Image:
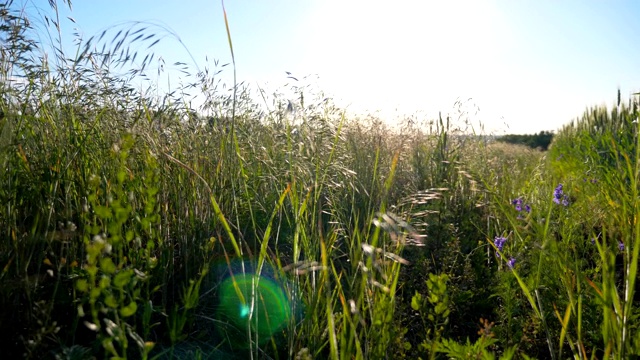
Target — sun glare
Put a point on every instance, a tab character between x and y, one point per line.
362	49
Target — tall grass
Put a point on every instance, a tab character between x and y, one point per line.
137	227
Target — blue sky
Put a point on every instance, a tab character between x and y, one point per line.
532	65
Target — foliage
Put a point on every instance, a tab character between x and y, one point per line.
134	227
541	141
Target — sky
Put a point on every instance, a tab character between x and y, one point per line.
525	66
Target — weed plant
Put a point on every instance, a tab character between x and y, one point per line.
135	227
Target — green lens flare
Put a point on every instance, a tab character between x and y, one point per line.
264	311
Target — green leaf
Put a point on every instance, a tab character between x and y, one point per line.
122	278
129	309
107	265
103	212
111	302
416	301
82	285
94	293
105	281
433	298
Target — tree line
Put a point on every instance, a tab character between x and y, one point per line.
541	141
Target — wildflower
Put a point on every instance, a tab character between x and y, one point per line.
499	243
517	203
557	194
559	197
511	263
621	246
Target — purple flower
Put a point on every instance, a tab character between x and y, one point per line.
557	194
499	243
559	197
517	203
621	246
511	263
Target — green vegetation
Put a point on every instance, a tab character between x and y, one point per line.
135	228
540	141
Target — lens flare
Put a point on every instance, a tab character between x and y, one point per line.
255	303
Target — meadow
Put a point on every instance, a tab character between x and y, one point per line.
136	227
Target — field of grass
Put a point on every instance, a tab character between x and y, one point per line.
133	227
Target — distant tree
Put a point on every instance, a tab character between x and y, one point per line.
540	141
